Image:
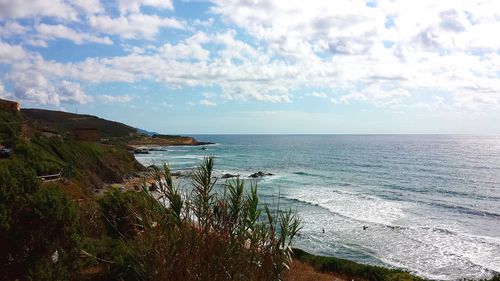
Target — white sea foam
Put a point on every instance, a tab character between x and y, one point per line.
398	236
364	208
186	156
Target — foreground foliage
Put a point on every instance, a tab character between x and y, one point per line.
38	228
173	235
199	236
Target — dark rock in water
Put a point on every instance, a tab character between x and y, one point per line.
181	174
176	174
204	143
260	174
157	149
141	151
203	148
228	176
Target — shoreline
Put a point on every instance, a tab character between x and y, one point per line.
165	140
352	270
169	145
369	268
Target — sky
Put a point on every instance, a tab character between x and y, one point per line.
251	66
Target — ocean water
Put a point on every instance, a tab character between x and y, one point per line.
431	203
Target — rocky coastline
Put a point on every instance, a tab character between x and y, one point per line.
165	140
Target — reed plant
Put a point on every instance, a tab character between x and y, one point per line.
202	234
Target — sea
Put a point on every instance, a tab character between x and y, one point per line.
429	204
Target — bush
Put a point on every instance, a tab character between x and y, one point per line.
38	228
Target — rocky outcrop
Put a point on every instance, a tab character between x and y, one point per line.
228	176
259	174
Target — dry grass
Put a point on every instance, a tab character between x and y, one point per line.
301	271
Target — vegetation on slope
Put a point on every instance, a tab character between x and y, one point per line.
38	228
66	123
88	162
44	235
164	140
355	271
10	126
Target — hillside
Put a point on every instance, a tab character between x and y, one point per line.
64	122
89	163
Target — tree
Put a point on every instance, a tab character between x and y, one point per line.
38	228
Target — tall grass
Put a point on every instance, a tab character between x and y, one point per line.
202	235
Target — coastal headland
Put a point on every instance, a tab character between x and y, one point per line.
164	140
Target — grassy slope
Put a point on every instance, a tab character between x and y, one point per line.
64	122
86	162
10	124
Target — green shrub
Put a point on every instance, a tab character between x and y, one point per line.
38	228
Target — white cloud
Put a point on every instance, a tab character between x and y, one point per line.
23	9
334	101
33	87
318	95
3	93
10	54
206	102
88	6
70	92
353	97
340	26
115	98
204	23
208	95
436	103
134	6
166	104
378	55
12	28
190	48
48	32
208	99
134	25
444	46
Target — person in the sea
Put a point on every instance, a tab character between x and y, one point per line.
365	227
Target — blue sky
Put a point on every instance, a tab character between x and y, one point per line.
192	66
